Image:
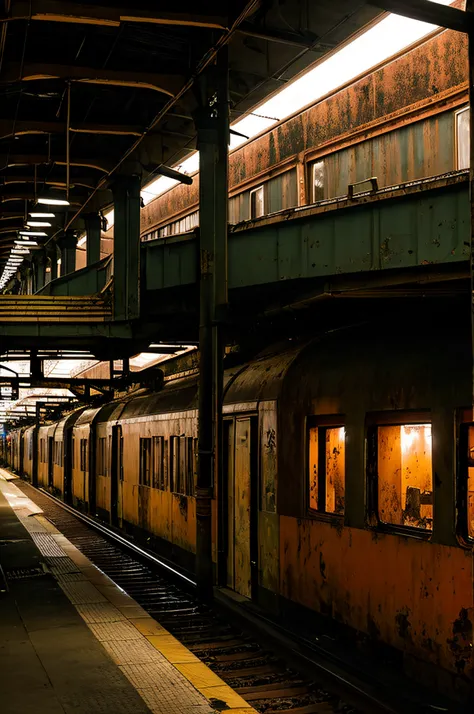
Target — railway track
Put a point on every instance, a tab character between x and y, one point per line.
264	678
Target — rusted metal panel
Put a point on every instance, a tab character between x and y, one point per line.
170	262
269	551
416	79
242	497
268	455
365	582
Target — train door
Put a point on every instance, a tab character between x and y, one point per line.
50	460
242	505
116	476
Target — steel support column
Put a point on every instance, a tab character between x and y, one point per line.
67	245
126	192
93	227
40	269
212	123
470	9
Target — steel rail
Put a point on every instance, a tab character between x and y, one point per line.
124	542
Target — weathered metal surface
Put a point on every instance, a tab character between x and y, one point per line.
422	227
280	193
366	582
433	71
241	515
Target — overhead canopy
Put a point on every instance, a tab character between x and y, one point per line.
87	90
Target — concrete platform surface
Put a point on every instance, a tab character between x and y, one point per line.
71	641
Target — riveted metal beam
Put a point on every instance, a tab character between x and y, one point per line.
89	14
168	84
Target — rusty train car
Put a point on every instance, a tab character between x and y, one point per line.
404	121
348	488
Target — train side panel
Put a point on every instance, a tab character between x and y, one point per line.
397	570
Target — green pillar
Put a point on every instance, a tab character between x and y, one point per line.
40	269
212	123
126	192
93	227
67	245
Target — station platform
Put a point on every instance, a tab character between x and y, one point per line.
72	641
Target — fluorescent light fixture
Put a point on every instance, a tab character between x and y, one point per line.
33	233
42	215
26	242
39	224
53	202
82	241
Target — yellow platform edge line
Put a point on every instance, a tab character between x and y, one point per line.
196	672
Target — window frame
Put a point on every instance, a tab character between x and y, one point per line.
146	443
457	113
312	168
253	192
375	420
464	422
333	421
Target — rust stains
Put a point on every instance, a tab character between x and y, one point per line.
461	643
403	624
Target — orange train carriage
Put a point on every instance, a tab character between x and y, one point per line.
348	488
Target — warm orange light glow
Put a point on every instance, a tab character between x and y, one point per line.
405	476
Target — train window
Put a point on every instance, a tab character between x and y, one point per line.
73	452
30	447
404	475
183	465
317	173
257	202
108	466
160	463
145	462
101	457
83	461
462	139
470	483
327	469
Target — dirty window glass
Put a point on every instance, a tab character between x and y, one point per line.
145	462
318	181
257	207
327	469
405	476
470	485
462	139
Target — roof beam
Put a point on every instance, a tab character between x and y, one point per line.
11	160
427	11
82	181
279	36
10	128
70	12
169	84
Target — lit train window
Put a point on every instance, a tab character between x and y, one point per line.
462	139
470	484
327	469
257	202
318	181
405	475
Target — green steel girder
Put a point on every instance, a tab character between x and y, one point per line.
427	224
